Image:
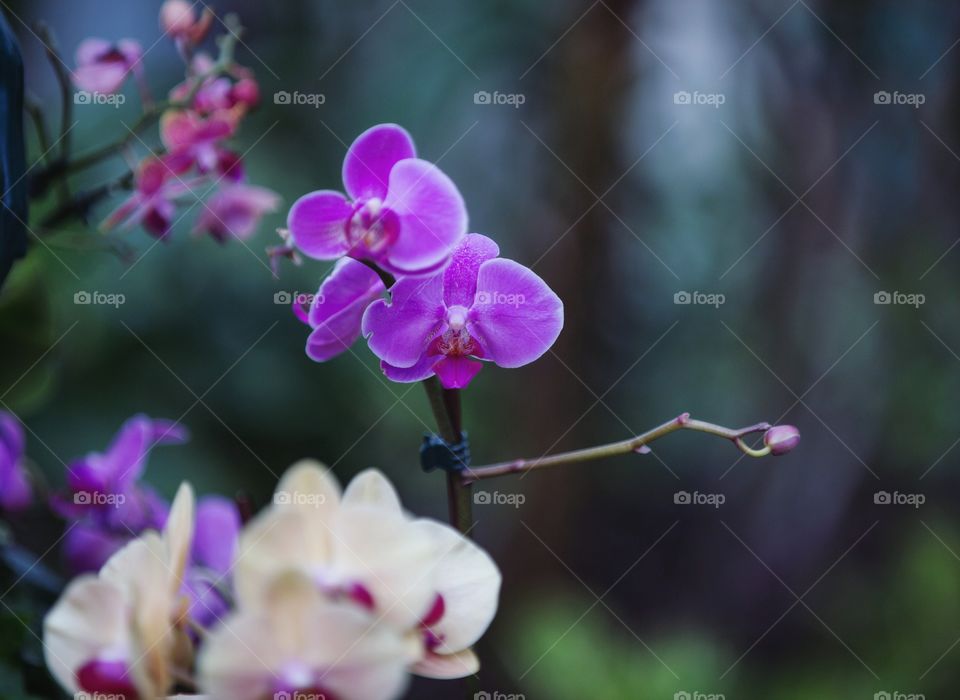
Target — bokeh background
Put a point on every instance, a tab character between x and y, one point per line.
798	199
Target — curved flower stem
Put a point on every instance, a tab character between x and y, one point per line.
445	404
635	444
154	110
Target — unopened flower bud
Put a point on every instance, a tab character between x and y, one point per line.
781	439
246	92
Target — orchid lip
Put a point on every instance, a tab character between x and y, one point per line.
371	228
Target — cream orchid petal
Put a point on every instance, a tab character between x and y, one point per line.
371	488
469	582
276	541
142	571
391	557
445	666
90	619
308	486
298	639
178	533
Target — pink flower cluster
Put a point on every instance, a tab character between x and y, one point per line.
455	303
203	113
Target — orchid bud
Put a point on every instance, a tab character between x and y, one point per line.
178	19
781	439
246	92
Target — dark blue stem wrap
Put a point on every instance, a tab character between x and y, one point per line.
437	453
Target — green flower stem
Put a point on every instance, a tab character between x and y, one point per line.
635	444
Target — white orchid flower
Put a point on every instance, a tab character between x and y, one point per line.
421	577
297	642
118	633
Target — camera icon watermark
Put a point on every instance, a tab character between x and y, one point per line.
98	499
683	298
513	99
685	498
296	498
912	99
496	498
916	300
885	498
285	298
299	99
486	298
85	298
85	97
707	99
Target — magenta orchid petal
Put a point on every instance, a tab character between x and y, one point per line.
102	66
515	316
460	276
371	157
87	546
16	492
235	211
423	369
317	223
216	533
432	214
90	50
457	372
398	332
337	310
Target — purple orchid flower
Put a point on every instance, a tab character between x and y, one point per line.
106	504
15	491
102	67
405	214
481	307
235	210
336	311
215	541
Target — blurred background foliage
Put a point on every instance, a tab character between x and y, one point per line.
691	198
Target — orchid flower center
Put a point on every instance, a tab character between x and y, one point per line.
372	227
456	340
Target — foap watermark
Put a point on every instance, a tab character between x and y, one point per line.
885	498
500	299
299	99
707	99
685	498
696	695
285	298
513	99
84	97
296	498
913	99
497	695
715	300
897	695
96	498
84	298
96	695
299	695
497	498
916	300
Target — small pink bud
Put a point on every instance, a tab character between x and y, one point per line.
176	17
781	439
246	92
